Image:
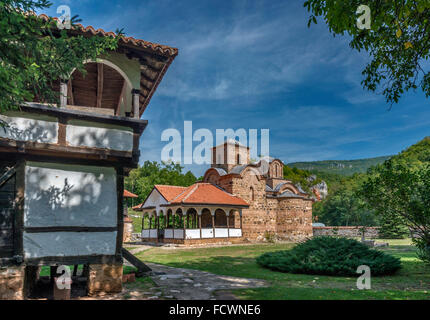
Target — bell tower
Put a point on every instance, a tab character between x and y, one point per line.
229	154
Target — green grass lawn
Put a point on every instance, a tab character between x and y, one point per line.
411	282
137	221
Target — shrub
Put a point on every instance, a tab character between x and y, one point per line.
270	237
330	256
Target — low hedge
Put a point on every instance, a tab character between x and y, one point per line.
330	256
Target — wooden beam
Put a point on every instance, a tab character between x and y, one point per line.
69	229
70	92
99	85
19	213
63	94
72	260
122	94
7	175
141	267
120	209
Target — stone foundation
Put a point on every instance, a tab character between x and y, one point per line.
12	283
128	231
104	279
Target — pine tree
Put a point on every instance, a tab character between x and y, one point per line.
392	227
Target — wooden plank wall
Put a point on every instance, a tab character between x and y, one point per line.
7	198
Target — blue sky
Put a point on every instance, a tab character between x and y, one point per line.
256	64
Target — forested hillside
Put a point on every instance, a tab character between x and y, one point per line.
343	206
342	167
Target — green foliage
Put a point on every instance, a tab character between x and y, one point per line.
344	208
392	227
301	177
401	189
142	180
35	54
398	41
339	167
330	256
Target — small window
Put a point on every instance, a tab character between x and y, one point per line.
238	159
252	194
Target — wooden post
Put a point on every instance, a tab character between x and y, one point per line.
185	226
200	224
136	109
63	94
173	224
213	223
228	225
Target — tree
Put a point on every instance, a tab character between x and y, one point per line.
142	180
392	226
396	188
35	54
397	41
344	208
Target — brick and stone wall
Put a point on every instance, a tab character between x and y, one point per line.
12	283
284	219
348	232
104	279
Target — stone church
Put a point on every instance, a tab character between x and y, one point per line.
237	201
277	207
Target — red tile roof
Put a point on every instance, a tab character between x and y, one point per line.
207	193
166	50
169	192
137	207
128	194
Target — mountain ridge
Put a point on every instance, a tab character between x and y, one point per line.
342	167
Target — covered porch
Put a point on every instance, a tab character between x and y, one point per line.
189	224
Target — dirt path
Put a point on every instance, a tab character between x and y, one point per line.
187	284
182	284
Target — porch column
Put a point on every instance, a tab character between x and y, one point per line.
173	224
228	224
213	221
240	213
199	218
136	111
185	226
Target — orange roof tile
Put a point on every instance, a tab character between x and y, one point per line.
137	207
128	194
169	192
207	193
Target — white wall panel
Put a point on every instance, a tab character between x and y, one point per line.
69	195
103	138
235	232
57	244
192	234
29	129
168	233
221	232
207	233
179	234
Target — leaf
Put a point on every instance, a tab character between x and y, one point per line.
408	45
399	33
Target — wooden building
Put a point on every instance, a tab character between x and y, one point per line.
201	213
63	167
